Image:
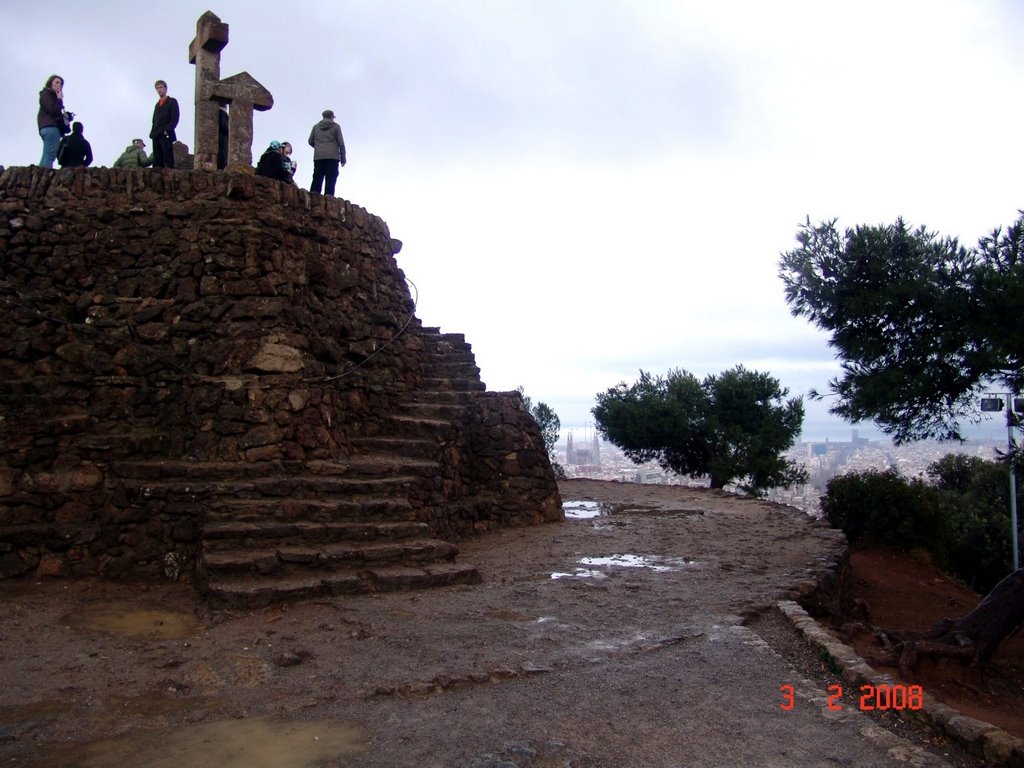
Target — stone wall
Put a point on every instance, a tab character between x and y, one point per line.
217	319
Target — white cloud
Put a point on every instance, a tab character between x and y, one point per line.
589	187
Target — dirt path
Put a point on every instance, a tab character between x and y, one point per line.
613	639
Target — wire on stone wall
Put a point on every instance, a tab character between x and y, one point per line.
385	345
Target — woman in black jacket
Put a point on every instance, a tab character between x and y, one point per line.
50	119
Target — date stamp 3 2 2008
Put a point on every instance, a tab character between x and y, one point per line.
881	698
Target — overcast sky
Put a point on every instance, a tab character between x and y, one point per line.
587	188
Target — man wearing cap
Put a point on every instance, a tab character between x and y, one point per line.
134	156
328	150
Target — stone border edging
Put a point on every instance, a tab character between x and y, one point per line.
982	739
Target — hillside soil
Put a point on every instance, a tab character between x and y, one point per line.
903	592
638	633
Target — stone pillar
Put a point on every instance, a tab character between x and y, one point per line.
244	94
204	52
241	91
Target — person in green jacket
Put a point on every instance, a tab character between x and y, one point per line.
134	156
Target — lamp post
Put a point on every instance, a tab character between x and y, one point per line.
994	402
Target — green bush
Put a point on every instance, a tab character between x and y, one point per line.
962	521
978	495
886	508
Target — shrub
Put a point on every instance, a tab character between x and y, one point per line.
961	521
887	508
978	496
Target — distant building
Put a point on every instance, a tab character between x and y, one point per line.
649	476
583	456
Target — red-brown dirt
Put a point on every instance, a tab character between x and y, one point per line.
903	592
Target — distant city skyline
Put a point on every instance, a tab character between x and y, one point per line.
839	431
823	460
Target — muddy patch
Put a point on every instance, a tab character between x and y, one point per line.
506	615
249	743
133	622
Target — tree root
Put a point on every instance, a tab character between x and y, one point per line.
973	639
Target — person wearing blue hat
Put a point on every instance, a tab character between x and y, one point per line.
271	164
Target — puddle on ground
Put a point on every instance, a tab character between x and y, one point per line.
124	620
584	510
580	573
654	563
250	743
587	510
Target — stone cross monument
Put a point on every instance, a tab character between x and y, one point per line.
242	92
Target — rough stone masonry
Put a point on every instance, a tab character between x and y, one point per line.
194	358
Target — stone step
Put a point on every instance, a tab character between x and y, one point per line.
186	470
419	428
456	384
285	487
456	376
236	533
448	350
421	448
255	592
367	465
451	361
375	465
436	411
440	347
283	559
434	334
447	343
352	509
140	441
446	397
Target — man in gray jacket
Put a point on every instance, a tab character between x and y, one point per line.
328	150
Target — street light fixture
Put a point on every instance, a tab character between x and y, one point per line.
994	402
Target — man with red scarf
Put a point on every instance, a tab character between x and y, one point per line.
165	120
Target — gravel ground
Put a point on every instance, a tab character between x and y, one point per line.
626	636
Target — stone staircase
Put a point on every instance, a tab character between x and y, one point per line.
285	530
278	531
419	428
117	394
